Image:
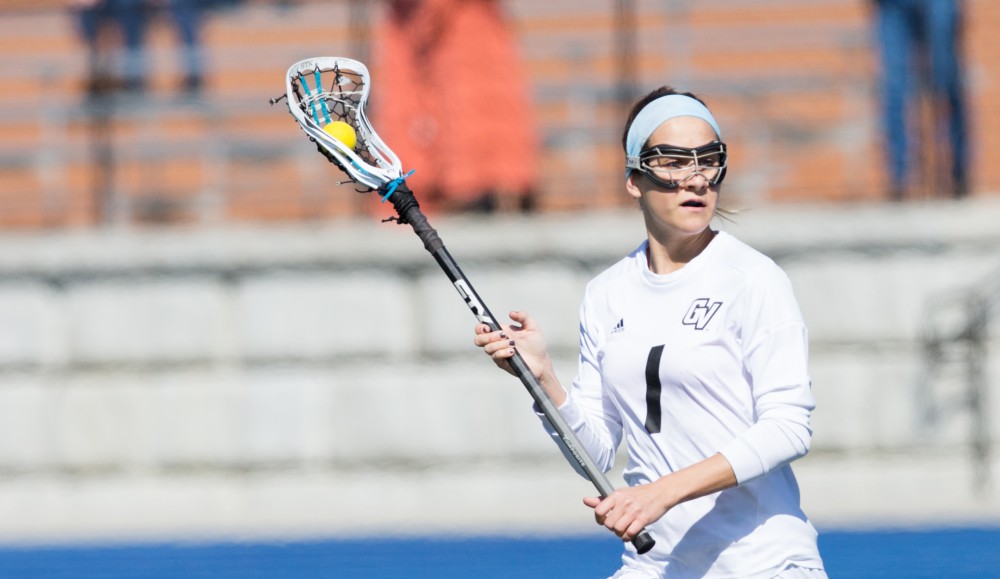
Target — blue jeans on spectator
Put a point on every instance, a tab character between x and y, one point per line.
132	19
913	35
187	18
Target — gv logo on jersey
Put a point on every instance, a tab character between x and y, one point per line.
700	313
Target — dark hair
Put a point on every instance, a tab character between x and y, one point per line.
641	104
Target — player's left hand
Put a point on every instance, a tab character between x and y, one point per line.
629	509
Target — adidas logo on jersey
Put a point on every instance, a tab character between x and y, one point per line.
619	327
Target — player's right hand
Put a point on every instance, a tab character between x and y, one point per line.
523	336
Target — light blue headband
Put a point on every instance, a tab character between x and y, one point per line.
655	114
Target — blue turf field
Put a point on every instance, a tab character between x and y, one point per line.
952	553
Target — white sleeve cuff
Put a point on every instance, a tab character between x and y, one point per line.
569	410
744	461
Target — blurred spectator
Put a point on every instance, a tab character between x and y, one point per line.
112	68
454	104
123	68
920	50
187	17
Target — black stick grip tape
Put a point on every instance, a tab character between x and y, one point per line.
643	542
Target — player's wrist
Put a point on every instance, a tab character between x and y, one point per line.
668	491
550	383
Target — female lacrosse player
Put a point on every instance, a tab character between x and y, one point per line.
694	349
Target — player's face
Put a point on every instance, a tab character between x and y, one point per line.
688	209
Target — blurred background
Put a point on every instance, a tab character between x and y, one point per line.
216	361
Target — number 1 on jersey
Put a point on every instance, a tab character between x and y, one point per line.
653	388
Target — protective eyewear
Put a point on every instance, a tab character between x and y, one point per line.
671	167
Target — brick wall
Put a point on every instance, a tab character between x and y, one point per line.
792	81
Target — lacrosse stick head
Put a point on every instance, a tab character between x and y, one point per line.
325	90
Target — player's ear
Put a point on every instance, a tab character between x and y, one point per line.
630	186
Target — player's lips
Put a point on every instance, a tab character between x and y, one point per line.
693	203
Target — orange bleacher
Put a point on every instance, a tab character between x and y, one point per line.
792	82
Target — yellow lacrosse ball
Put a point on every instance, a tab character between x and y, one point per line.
343	132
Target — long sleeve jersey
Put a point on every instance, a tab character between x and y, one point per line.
711	358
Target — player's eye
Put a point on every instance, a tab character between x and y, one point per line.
710	160
670	162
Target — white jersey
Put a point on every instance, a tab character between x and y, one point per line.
708	359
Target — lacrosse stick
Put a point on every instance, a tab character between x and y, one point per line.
326	91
